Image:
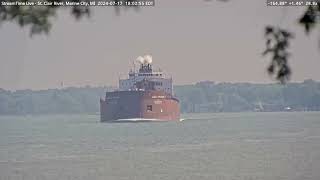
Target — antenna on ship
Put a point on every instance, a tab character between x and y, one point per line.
118	80
134	73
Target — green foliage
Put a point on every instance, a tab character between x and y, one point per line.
310	18
277	46
52	101
277	43
227	97
277	40
38	18
202	97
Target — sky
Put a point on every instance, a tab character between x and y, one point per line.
191	40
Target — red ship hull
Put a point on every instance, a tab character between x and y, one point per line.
139	106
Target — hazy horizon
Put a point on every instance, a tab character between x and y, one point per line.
192	41
59	87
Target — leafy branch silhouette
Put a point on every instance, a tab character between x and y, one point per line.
277	45
39	19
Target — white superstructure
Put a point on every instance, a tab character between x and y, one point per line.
146	73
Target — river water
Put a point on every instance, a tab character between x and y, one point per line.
222	146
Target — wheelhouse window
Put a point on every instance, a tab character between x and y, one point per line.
149	108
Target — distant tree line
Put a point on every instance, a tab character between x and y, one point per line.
204	96
238	97
52	101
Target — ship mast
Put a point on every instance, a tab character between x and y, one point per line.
134	73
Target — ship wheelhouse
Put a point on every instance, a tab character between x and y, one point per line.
145	78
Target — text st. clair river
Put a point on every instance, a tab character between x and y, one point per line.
79	3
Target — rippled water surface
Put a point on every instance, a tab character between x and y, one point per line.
248	146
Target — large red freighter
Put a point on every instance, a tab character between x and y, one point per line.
147	95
